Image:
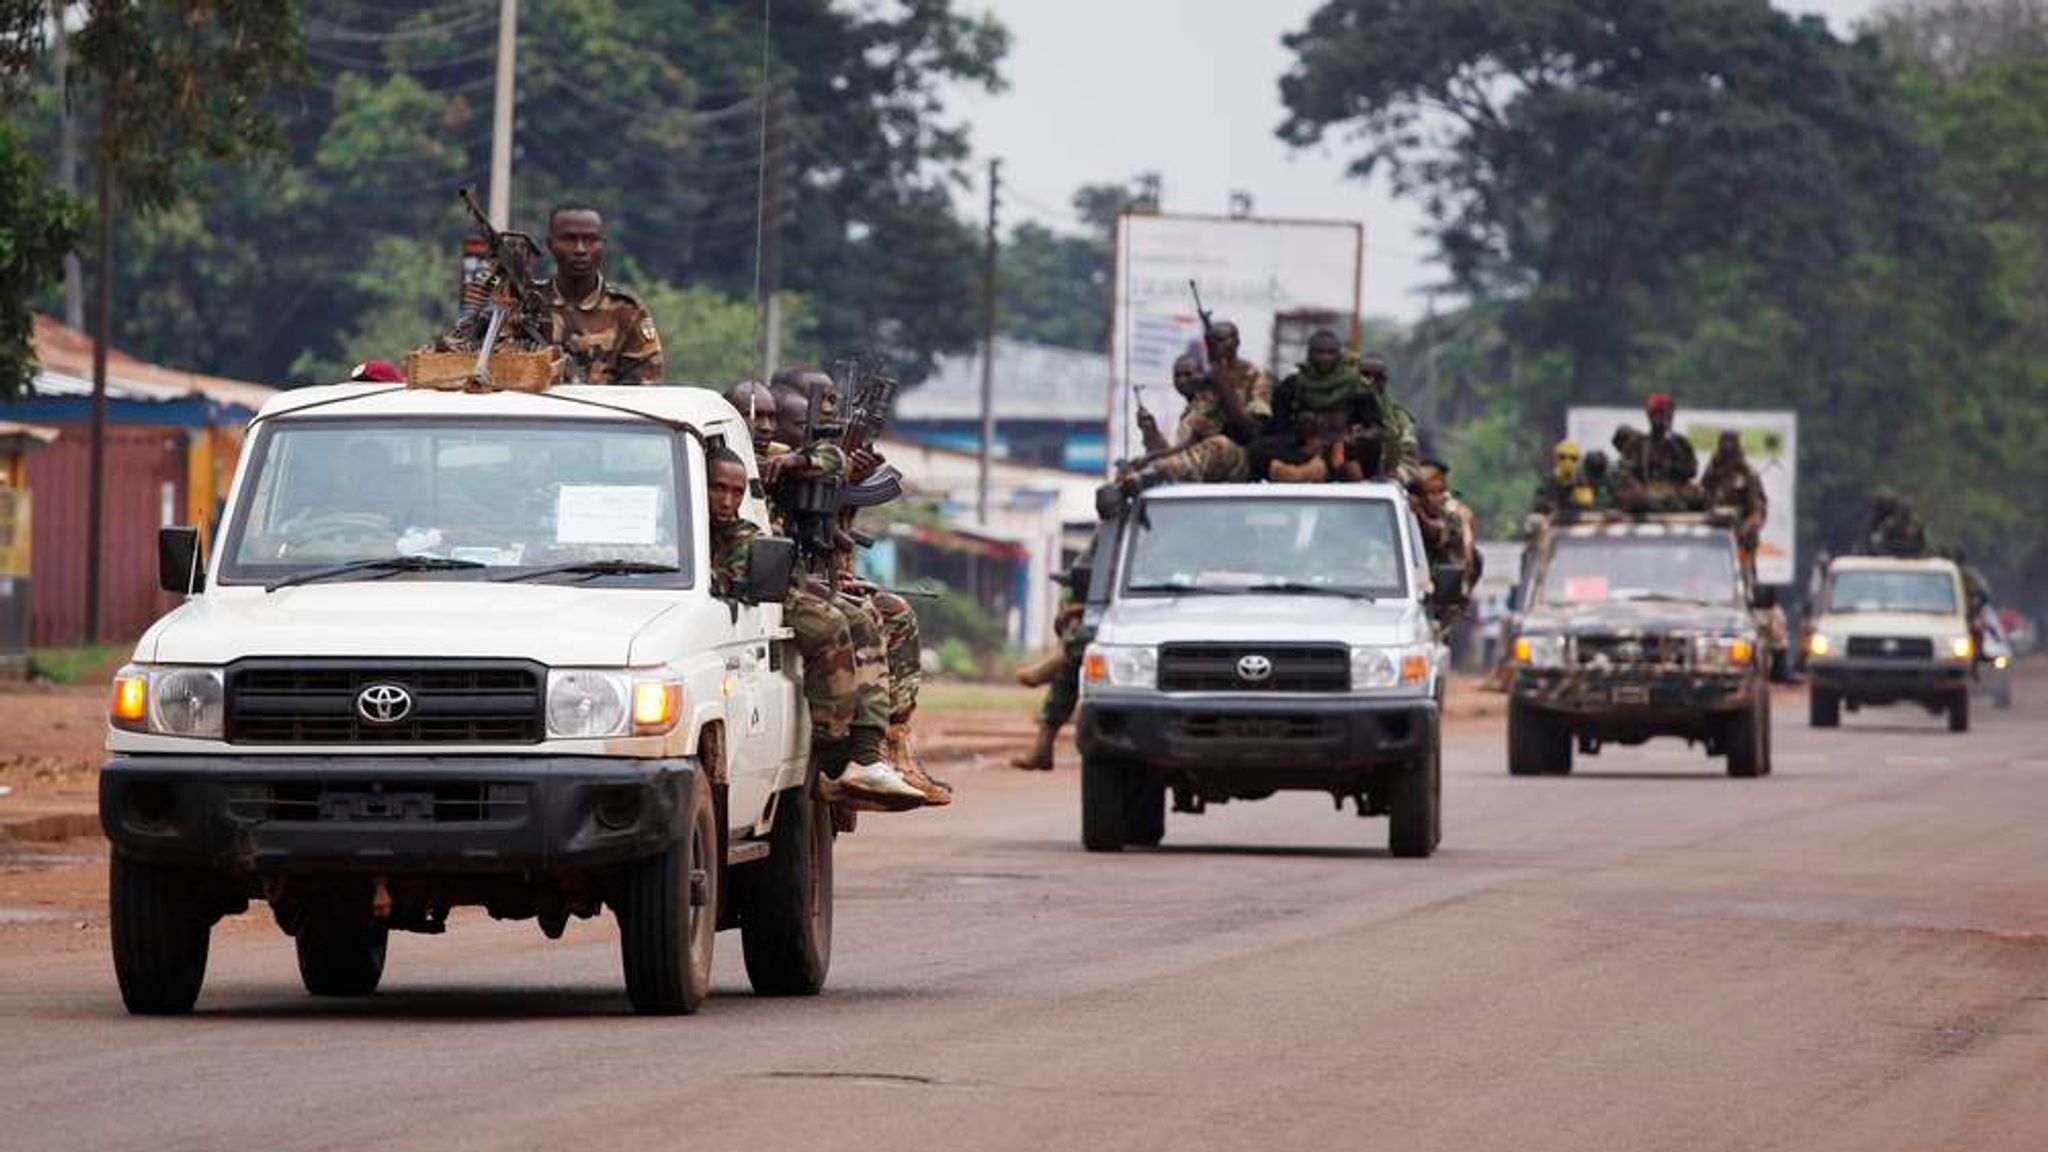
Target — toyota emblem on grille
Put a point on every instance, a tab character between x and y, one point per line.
1891	645
383	703
1254	669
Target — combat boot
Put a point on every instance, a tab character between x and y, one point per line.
1042	671
867	782
1039	759
903	756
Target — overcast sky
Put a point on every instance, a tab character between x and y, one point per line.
1101	90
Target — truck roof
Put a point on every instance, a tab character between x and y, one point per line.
1890	563
1691	528
700	408
1379	490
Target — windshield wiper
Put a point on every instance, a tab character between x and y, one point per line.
384	565
1657	598
1298	587
589	568
1180	587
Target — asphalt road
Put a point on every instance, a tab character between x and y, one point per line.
1852	954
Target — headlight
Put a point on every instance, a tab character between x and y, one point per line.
1121	666
1818	644
1375	668
1539	651
168	701
1723	651
586	704
1961	647
583	703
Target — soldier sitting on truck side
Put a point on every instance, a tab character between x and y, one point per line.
873	612
1446	528
848	711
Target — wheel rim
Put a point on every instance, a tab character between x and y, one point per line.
701	921
820	886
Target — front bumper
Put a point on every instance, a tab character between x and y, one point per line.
1886	680
1279	738
1648	696
395	815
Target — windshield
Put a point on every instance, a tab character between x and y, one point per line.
1338	547
503	495
1601	569
1875	591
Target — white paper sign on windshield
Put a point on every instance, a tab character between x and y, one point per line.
608	514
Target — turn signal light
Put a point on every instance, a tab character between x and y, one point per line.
1095	669
130	706
1523	649
1741	652
1414	669
656	705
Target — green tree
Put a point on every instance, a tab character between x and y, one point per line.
38	226
1054	287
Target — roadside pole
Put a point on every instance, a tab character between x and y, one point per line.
501	114
988	345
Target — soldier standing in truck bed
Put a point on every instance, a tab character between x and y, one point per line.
1731	483
606	333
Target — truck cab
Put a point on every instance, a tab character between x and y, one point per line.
461	650
1632	628
1256	638
1890	630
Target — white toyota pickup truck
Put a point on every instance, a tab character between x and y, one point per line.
460	649
1256	638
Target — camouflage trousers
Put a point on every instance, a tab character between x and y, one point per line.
1216	460
870	661
831	644
1063	695
900	636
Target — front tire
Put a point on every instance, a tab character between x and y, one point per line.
785	901
1144	809
1959	712
1416	807
161	926
667	909
1749	741
1103	790
1538	744
1824	708
341	956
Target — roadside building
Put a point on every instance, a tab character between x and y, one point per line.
1050	406
173	439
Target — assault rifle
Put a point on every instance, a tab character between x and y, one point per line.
873	395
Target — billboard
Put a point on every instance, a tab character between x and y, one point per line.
1265	276
1769	438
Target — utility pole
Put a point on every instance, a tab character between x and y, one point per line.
67	160
501	114
774	166
103	335
988	344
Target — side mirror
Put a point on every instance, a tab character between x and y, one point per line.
1763	596
180	567
770	566
1449	585
1078	578
1515	598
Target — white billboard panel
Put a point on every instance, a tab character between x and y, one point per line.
1769	438
1251	272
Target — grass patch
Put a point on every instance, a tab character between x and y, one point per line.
83	665
942	697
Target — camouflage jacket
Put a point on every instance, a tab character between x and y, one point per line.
1205	414
732	546
1659	459
608	336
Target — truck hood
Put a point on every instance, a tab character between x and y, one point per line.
554	624
1257	618
1637	616
1902	624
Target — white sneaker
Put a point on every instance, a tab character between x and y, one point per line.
876	784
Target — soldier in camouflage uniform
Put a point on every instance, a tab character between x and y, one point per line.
1226	410
1657	468
1333	420
604	330
841	651
1561	489
1731	483
884	624
1894	529
1445	522
1059	672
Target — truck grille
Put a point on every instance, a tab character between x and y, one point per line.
1891	647
1293	668
1633	651
1257	727
392	802
452	702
